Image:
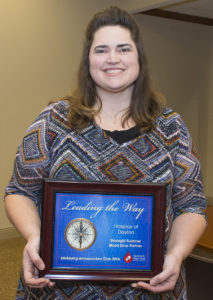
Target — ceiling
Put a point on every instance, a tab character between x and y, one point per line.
195	11
199	8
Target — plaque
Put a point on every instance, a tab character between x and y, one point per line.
102	230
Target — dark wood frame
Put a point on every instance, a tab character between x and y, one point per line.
47	234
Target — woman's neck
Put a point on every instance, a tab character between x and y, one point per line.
114	106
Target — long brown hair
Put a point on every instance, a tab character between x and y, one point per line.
145	105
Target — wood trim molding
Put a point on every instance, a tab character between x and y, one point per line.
210	201
8	233
178	16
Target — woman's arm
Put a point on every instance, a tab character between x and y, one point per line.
23	214
186	231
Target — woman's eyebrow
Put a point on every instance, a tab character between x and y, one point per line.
101	46
124	45
119	46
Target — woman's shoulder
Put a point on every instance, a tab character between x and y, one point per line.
53	117
169	123
56	112
169	114
54	108
60	107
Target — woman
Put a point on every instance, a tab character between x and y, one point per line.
112	128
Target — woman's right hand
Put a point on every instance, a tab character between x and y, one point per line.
24	215
32	263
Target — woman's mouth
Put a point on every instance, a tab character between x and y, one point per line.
113	71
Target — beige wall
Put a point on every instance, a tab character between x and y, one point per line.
40	49
41	43
209	173
180	58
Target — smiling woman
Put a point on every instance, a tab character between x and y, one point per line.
113	128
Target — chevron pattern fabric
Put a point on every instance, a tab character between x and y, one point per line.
165	155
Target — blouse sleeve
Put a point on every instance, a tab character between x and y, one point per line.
32	160
187	194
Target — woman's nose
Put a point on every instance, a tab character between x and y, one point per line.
113	57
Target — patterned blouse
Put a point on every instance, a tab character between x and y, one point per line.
164	155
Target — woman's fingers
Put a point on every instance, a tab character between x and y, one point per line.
32	263
164	281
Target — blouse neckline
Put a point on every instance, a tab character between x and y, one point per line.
123	136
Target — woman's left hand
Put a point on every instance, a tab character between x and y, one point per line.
166	280
186	230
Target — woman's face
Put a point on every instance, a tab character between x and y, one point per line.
113	59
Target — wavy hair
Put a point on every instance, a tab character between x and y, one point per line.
144	107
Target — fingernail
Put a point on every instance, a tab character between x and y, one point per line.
41	267
152	282
134	285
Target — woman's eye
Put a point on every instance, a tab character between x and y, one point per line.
99	51
125	49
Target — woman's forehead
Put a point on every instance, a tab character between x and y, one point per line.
112	34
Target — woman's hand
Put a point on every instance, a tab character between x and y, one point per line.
23	213
186	231
166	280
32	263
